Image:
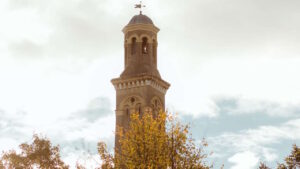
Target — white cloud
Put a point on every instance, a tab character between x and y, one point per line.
241	105
269	155
257	82
260	141
244	160
12	130
85	159
76	134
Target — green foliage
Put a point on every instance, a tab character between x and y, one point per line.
40	154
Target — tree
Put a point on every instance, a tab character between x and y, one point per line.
263	166
40	154
105	156
281	166
79	166
143	144
182	151
158	141
293	160
1	165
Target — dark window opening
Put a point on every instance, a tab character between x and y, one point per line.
132	100
133	46
154	51
145	46
126	54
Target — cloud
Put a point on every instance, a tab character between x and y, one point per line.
244	160
26	49
266	143
85	159
79	137
62	29
11	125
77	134
256	82
233	28
265	128
97	108
220	107
265	135
240	105
13	131
91	29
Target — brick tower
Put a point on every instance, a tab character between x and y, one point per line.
140	87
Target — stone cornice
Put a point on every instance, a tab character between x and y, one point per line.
139	81
147	27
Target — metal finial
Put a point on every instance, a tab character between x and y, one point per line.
141	6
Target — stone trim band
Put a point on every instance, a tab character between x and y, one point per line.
158	84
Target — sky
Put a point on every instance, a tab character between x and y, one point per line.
233	67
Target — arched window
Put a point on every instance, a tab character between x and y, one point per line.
156	105
126	54
132	100
133	46
139	108
154	52
132	104
127	112
145	45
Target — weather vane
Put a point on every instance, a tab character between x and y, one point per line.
141	6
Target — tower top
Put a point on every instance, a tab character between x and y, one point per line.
140	19
140	6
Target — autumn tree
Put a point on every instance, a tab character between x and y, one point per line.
159	141
263	166
143	144
79	166
1	165
293	160
107	158
182	150
281	166
40	154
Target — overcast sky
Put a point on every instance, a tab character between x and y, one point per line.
233	66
